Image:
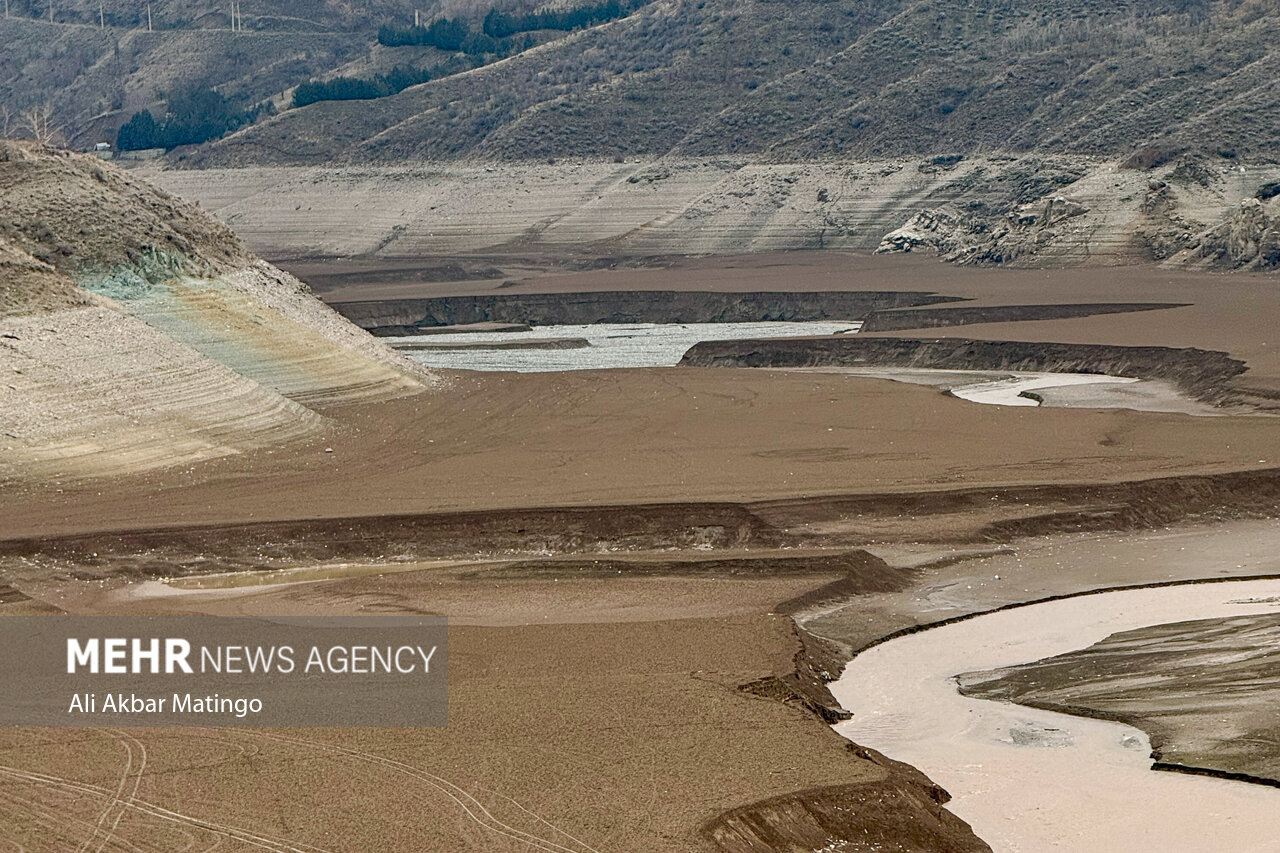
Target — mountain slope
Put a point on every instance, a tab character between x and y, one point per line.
792	81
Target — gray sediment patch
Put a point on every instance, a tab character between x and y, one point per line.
521	344
474	328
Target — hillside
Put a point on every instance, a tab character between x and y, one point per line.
1059	132
785	81
93	79
136	330
94	73
1064	210
802	80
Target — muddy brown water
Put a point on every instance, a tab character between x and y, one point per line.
1029	781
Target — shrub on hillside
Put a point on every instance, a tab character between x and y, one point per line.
394	81
194	116
501	24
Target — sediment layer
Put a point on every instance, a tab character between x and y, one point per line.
904	812
406	317
1202	374
930	318
1060	210
561	530
1196	687
998	514
519	344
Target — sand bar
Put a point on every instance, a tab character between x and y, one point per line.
1009	391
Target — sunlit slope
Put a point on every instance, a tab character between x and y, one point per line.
136	331
95	391
222	318
1194	211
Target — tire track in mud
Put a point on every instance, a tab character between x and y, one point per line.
132	746
127	740
471	807
543	820
62	825
253	839
111	802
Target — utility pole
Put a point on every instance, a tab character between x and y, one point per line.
51	11
102	19
149	17
415	17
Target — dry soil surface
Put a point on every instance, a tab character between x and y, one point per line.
616	720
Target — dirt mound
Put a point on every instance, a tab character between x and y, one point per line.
135	330
31	286
81	216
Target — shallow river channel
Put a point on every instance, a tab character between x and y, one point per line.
1034	781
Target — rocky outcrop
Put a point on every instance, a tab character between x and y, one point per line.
975	239
940	230
1165	230
1247	238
